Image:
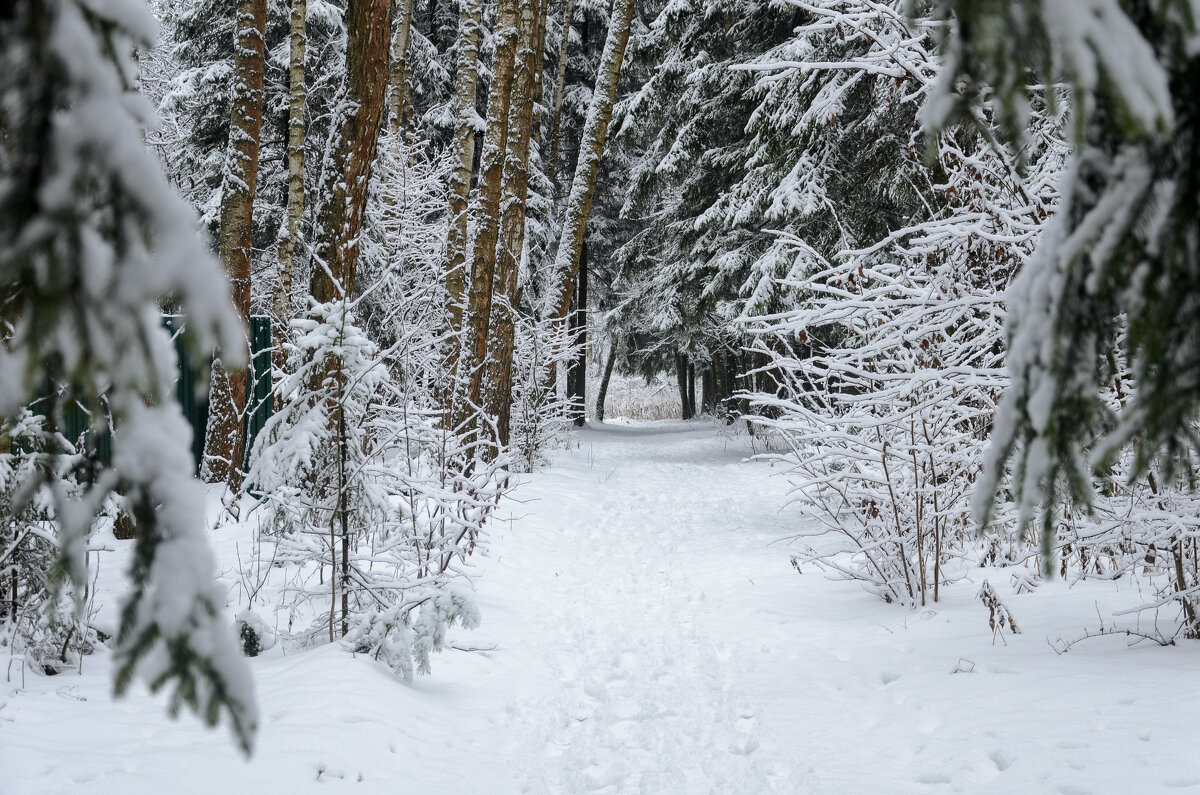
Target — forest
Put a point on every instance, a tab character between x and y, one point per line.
309	307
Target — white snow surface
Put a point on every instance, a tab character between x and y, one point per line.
644	632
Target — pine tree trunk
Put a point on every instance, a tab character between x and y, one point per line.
558	95
708	402
477	322
578	319
681	381
347	175
691	390
399	77
466	80
498	370
587	168
223	444
281	302
602	392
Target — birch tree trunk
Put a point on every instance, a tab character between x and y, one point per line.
587	168
399	73
483	266
281	301
347	175
466	80
558	95
498	368
223	443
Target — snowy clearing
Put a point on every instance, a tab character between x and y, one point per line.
643	632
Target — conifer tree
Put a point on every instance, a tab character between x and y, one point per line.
476	322
223	446
91	240
1120	265
513	210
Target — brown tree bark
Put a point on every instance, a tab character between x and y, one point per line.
281	301
223	443
498	369
466	80
348	174
361	106
587	168
483	266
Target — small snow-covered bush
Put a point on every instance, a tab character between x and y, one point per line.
362	483
888	369
39	621
539	411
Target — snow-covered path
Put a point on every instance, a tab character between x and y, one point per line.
635	558
644	632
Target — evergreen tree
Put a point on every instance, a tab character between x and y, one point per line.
91	240
1119	267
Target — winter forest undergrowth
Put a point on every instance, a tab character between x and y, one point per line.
634	396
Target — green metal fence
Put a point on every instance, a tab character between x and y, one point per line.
258	387
78	425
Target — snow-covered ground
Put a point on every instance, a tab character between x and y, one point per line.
643	633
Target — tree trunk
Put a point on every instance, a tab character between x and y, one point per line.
398	72
691	390
466	80
223	445
578	408
483	265
347	175
587	168
498	370
708	402
602	391
681	380
560	85
281	301
539	67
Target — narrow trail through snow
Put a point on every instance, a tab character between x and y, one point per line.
626	556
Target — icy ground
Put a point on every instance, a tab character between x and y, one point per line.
642	634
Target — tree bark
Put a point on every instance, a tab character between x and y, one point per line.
498	370
281	301
223	445
477	322
602	392
587	168
466	80
539	67
707	391
577	410
399	77
345	182
691	390
681	380
560	86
